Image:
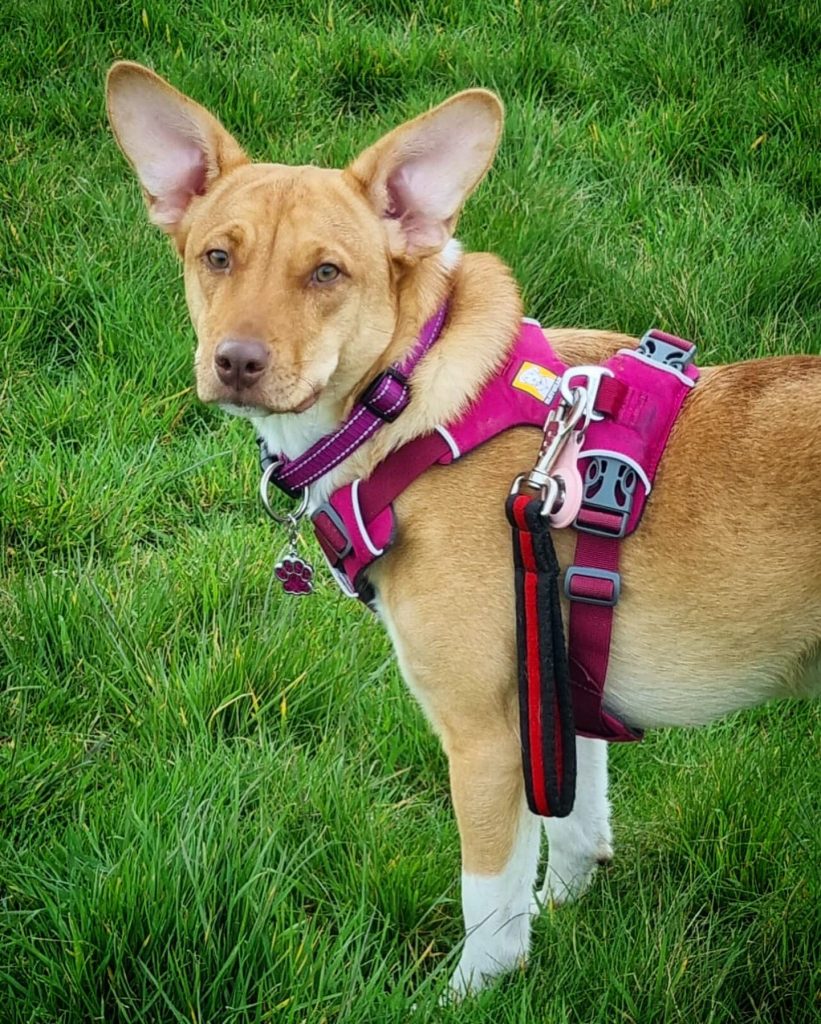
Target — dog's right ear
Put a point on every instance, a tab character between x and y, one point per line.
176	147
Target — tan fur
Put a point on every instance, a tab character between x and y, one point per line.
721	603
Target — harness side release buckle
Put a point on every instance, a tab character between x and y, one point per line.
667	349
331	533
607	498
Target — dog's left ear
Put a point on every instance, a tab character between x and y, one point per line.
418	177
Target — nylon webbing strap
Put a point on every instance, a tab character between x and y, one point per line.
545	698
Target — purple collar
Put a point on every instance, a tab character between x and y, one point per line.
381	402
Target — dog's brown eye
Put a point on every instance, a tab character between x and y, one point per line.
218	259
326	272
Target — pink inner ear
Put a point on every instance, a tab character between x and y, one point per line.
166	145
174	174
422	198
173	171
435	166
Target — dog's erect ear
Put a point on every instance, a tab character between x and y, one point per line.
419	175
176	147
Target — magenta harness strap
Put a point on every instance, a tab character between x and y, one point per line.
622	455
356	525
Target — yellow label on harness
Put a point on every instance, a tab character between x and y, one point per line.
537	381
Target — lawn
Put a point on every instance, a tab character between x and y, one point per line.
219	805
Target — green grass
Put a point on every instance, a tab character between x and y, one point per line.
219	806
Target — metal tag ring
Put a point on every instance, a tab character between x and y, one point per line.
289	517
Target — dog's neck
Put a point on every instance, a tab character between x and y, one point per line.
484	315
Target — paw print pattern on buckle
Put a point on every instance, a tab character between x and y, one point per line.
295	575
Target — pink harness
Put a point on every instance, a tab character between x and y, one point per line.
621	452
635	398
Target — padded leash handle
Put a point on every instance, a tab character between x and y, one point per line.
548	734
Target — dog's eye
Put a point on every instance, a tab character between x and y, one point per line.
326	272
218	259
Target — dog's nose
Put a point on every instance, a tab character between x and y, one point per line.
240	363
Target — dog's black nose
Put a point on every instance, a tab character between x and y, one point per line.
240	363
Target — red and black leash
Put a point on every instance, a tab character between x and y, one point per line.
545	695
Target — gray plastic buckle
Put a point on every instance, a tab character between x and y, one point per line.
665	352
609	487
584	572
324	517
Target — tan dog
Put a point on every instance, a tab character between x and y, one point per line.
303	283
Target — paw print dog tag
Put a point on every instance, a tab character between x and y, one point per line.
295	575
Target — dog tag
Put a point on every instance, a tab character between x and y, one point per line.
295	574
566	469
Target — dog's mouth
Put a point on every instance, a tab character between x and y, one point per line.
244	411
251	410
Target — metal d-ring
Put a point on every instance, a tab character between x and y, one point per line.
593	376
291	518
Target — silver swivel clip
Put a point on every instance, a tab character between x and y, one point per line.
560	425
294	573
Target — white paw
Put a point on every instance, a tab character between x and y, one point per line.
480	966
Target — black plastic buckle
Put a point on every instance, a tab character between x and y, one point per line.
585	572
665	352
388	406
609	487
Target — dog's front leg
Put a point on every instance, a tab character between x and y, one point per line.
500	849
582	840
